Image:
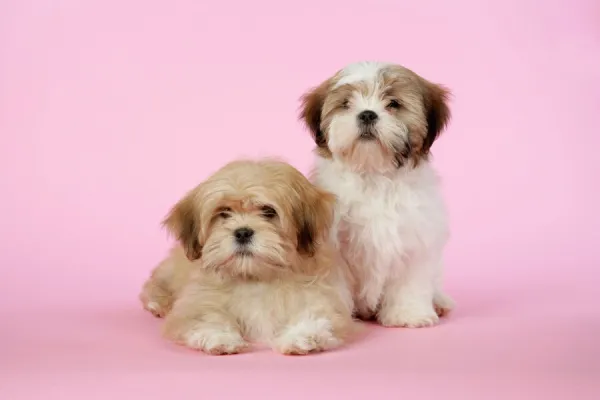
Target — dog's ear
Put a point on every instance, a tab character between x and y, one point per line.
183	222
313	217
310	112
435	98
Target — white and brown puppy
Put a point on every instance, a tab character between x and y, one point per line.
253	263
374	124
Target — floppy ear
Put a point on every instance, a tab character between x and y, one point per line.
183	222
311	108
437	112
313	218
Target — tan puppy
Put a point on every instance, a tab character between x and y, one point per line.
253	264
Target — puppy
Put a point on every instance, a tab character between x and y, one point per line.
374	125
253	263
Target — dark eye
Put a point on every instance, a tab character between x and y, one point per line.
394	104
225	213
268	212
345	103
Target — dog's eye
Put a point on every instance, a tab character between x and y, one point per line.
225	213
394	104
345	104
268	212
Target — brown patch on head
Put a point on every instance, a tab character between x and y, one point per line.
338	100
313	216
435	98
311	112
183	222
420	105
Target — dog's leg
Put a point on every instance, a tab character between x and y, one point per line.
200	321
408	300
156	298
442	303
167	280
322	323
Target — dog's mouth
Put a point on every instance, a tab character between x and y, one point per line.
367	135
244	253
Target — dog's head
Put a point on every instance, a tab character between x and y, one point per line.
253	219
376	116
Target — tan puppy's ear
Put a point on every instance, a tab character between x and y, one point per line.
435	98
183	222
313	217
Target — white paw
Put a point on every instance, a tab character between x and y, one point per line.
408	317
443	304
215	342
306	337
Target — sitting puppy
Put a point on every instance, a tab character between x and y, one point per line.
374	125
253	264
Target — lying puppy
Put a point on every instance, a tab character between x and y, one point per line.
253	263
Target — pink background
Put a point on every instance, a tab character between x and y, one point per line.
111	109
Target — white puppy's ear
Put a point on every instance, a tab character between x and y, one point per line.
435	99
311	111
183	222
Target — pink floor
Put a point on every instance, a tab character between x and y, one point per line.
529	339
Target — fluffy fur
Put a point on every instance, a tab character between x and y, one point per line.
253	264
374	125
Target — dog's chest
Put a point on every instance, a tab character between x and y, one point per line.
381	211
389	216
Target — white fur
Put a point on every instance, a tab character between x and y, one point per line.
215	340
360	71
391	229
307	334
390	222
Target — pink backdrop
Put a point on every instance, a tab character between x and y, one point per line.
111	109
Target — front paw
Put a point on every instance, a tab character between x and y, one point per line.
307	337
215	342
408	317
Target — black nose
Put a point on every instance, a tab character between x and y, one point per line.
367	117
243	235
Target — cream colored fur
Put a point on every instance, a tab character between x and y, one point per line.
284	288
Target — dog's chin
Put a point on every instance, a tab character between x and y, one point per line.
367	153
246	264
